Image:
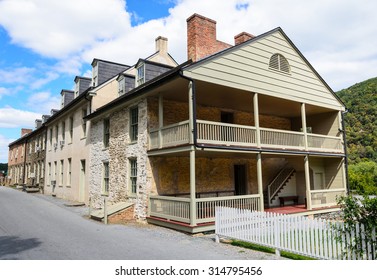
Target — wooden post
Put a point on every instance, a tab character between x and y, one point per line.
256	118
192	158
160	119
259	179
307	183
303	120
105	209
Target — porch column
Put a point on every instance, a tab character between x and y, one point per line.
256	118
307	183
192	158
303	120
160	119
344	176
259	180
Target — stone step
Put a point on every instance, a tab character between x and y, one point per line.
111	209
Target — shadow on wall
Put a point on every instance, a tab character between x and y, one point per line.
12	245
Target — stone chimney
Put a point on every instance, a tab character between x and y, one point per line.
201	38
242	37
38	123
25	131
161	44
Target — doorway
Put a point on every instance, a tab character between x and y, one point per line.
240	179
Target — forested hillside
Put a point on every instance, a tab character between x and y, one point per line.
361	120
361	127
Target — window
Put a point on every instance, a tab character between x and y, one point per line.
133	175
69	172
134	117
56	133
42	169
70	129
50	138
106	132
61	173
140	75
83	112
49	172
63	131
55	169
280	63
121	85
105	183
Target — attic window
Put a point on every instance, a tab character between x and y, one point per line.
140	75
280	63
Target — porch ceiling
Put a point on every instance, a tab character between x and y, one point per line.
214	95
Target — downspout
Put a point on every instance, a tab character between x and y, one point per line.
345	150
193	106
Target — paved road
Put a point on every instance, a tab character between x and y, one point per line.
34	226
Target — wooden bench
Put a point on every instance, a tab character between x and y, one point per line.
293	198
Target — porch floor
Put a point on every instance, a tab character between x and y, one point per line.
300	209
289	209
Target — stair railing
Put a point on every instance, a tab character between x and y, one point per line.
278	182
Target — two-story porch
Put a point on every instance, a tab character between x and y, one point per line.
225	146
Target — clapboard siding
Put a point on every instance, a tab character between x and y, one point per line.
247	67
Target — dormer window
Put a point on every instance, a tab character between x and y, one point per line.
280	63
121	85
140	75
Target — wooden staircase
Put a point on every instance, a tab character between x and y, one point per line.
277	184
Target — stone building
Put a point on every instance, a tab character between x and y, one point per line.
247	125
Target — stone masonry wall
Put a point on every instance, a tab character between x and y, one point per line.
98	155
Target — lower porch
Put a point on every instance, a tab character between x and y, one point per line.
245	181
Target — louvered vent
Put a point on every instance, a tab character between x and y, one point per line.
279	62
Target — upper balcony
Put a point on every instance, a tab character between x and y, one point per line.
214	134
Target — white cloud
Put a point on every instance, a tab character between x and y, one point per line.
16	75
4	141
11	117
337	37
43	102
60	28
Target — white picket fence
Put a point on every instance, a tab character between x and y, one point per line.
316	238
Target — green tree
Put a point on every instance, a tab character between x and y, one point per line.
357	212
363	177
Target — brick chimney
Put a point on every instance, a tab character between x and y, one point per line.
161	44
25	131
242	37
201	38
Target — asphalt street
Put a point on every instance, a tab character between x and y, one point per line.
39	227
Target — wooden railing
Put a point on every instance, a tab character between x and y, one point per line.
278	182
217	133
178	208
205	207
282	138
325	197
171	208
171	135
321	142
223	133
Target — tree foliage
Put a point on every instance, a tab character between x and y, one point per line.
357	212
363	177
361	120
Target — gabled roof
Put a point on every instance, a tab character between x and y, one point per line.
256	39
136	92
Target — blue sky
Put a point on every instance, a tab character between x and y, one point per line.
44	44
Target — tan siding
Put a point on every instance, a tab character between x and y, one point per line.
247	68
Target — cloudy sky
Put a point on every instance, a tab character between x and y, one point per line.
44	44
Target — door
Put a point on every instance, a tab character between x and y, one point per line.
82	181
226	131
240	179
